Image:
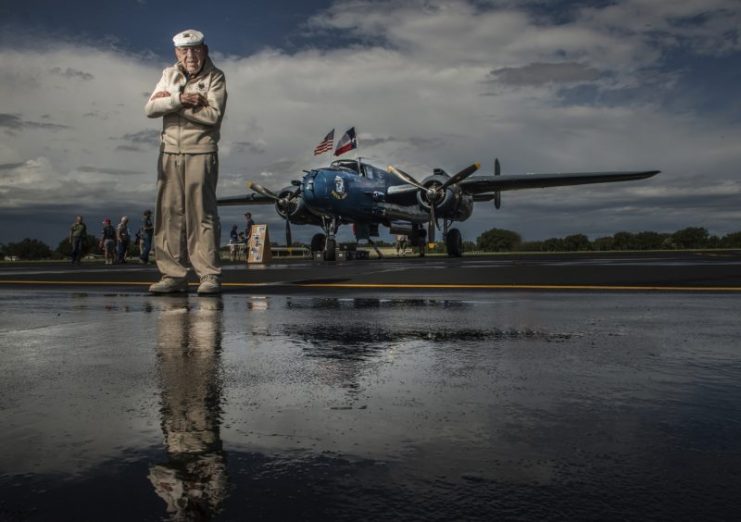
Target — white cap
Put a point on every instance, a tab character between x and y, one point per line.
188	38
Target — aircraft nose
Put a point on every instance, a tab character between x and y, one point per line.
316	189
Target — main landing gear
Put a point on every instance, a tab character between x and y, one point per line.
453	239
327	244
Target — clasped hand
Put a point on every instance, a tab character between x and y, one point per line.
191	101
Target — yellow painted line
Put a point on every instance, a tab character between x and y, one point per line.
403	286
527	287
101	283
85	283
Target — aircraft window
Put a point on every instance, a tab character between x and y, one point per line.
346	164
372	172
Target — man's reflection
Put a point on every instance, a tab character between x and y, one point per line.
193	482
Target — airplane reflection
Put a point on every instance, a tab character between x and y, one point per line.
193	482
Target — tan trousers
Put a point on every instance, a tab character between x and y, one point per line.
186	224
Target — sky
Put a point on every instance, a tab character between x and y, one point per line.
545	86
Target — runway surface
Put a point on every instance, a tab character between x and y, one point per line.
561	387
391	405
701	271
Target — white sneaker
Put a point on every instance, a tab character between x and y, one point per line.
210	284
169	285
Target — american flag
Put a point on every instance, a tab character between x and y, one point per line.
326	144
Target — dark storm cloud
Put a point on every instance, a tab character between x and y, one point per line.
644	204
537	74
10	166
72	73
139	141
105	170
143	136
15	122
129	148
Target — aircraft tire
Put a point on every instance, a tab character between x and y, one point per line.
454	243
330	250
317	243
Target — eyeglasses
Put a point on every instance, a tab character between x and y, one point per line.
194	50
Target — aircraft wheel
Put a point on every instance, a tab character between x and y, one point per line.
454	243
317	243
330	250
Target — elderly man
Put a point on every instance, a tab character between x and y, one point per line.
190	98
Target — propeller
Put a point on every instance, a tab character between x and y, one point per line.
262	190
283	203
497	194
460	176
434	193
405	177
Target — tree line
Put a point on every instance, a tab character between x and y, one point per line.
493	240
501	240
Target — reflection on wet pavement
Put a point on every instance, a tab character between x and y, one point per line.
521	407
193	482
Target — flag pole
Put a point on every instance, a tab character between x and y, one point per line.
357	153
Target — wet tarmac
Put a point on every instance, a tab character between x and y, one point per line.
714	271
117	405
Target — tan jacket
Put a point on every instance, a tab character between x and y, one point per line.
185	130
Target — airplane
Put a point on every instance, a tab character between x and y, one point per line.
355	192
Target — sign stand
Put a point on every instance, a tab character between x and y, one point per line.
258	247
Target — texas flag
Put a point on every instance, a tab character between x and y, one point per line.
346	143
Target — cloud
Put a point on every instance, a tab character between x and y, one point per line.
105	170
71	73
139	141
10	166
15	122
257	147
412	83
538	74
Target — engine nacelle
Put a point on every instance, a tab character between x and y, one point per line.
454	204
296	211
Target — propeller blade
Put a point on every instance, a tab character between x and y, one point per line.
406	178
288	233
460	176
262	190
497	194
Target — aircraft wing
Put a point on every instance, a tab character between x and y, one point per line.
247	199
482	184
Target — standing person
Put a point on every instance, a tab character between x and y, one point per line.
191	99
147	234
248	225
241	245
401	244
77	235
122	240
233	239
108	241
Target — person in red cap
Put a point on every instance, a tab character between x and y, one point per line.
108	241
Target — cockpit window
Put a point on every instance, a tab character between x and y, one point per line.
346	164
372	172
368	171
